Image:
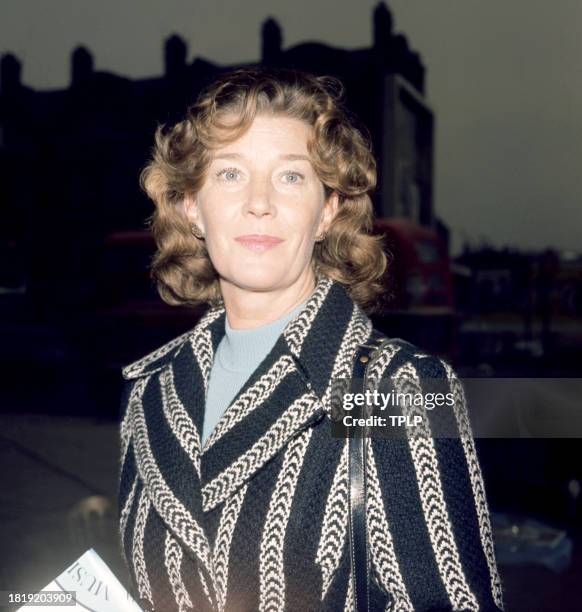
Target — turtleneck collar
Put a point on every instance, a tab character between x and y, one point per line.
241	350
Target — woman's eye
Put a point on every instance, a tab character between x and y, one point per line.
230	175
293	177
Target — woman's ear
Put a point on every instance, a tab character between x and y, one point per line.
190	208
329	212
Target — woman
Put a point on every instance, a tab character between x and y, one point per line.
233	492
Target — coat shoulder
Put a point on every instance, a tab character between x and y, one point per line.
159	357
156	359
393	353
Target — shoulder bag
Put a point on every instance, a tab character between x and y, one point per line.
359	554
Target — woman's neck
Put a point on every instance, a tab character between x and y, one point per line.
246	309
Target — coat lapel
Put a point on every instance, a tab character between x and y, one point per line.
288	392
166	410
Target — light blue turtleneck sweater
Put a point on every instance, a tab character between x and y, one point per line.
238	355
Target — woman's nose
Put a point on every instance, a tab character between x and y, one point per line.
260	199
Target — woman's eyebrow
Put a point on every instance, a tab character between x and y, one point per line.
287	156
294	157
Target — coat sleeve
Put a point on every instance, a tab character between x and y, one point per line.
429	529
130	494
162	576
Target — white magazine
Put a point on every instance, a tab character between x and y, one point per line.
96	588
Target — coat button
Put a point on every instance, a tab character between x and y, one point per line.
364	359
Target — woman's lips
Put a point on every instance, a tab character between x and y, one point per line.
258	242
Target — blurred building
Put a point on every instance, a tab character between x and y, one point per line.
501	280
70	158
496	280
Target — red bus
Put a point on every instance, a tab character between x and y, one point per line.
421	309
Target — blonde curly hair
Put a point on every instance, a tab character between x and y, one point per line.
341	153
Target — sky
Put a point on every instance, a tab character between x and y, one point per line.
504	78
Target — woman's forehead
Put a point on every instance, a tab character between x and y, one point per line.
287	135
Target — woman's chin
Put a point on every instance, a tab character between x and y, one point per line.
259	278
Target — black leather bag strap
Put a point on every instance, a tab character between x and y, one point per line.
357	491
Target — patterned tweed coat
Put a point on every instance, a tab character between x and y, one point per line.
257	519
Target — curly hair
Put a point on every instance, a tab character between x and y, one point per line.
341	153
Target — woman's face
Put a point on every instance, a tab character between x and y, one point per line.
262	205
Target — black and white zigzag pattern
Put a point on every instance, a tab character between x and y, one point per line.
204	523
384	559
350	604
476	481
163	499
358	331
271	569
125	514
173	554
335	524
433	501
296	332
218	489
134	369
137	367
201	344
251	399
228	520
178	418
143	581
